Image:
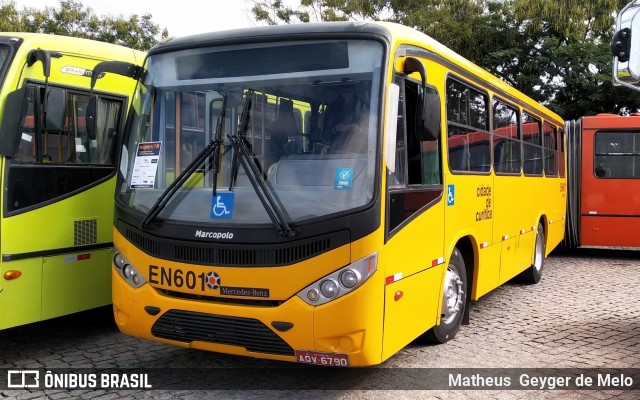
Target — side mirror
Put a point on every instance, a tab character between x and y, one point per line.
625	46
91	117
12	117
428	120
117	67
428	107
56	111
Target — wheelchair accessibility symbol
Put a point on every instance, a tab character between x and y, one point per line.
222	206
451	195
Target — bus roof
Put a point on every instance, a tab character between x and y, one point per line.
68	44
611	121
393	33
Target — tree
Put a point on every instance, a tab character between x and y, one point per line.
568	49
9	17
275	12
72	18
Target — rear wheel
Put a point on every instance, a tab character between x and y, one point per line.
454	296
533	274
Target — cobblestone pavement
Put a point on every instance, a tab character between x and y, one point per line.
585	313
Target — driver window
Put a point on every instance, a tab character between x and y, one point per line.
417	180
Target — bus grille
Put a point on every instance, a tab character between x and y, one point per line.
253	255
187	326
85	232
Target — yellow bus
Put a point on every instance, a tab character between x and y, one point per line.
355	240
57	178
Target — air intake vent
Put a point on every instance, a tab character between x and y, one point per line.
187	326
221	254
85	232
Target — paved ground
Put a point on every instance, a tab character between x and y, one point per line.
584	314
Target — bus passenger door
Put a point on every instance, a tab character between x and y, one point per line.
412	258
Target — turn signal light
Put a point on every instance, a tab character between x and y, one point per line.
13	274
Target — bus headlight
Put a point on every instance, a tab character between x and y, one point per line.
340	282
127	271
329	288
119	260
349	278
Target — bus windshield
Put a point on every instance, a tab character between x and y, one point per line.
298	120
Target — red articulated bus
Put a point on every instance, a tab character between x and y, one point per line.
604	181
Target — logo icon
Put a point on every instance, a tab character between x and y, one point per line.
344	179
213	280
451	195
21	379
222	206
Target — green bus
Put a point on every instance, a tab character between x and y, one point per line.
58	178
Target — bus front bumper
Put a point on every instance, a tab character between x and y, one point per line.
344	332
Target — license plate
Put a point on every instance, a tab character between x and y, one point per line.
319	358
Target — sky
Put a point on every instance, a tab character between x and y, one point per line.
181	18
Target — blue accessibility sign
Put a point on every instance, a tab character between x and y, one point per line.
222	206
451	195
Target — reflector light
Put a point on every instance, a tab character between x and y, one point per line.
393	278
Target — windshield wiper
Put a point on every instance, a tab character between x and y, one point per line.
241	152
211	148
216	156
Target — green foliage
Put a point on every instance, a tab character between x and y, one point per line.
273	12
72	18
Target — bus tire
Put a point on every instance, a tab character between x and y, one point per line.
454	299
533	274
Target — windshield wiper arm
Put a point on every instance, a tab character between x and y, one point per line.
216	156
213	145
241	152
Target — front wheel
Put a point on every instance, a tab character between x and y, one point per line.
533	274
454	299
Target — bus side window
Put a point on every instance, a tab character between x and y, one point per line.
469	140
506	140
617	155
549	141
532	144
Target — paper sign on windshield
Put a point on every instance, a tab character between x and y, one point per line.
145	165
